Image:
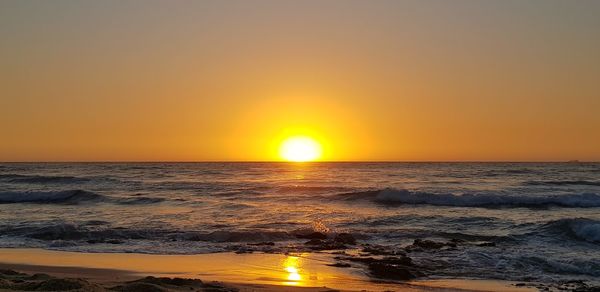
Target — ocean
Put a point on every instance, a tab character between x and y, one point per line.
510	221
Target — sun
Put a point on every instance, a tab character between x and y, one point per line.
300	149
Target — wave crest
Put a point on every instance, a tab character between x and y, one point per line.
94	233
70	197
579	228
72	231
395	196
49	197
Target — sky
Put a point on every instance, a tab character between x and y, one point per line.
229	80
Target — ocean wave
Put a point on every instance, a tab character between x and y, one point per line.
95	231
236	236
98	233
138	200
400	196
42	179
572	267
520	171
503	172
563	183
50	197
72	231
579	228
69	197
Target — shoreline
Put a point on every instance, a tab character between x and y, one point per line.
244	272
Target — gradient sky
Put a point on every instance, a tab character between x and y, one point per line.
372	80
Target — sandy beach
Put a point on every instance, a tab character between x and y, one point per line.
217	272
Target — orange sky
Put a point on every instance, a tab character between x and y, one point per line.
371	80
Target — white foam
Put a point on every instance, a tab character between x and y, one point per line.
587	230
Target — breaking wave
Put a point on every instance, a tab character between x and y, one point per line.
573	267
394	196
71	231
69	197
579	228
93	233
51	197
236	236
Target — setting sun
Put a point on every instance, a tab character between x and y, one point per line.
300	149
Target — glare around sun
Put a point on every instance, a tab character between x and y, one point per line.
300	149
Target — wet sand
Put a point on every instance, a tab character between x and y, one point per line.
244	272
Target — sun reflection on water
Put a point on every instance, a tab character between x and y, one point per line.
291	265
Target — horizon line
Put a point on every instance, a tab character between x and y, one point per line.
305	162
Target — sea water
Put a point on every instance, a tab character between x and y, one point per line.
514	221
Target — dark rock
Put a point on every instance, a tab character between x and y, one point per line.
263	243
319	244
388	271
374	251
588	289
10	273
15	281
4	284
159	284
487	244
339	265
412	248
58	285
403	260
139	287
379	250
424	244
428	244
326	245
218	287
182	281
170	281
391	267
314	242
364	260
345	238
39	277
312	235
12	280
114	241
571	285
